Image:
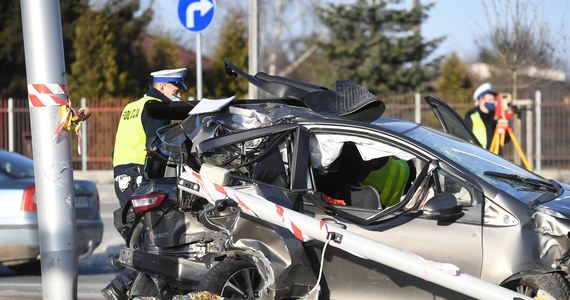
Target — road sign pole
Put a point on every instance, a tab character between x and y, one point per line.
47	95
196	16
253	46
198	66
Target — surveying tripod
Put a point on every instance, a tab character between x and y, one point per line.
498	141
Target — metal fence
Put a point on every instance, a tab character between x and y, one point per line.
99	137
542	129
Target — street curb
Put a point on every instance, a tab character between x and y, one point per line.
97	176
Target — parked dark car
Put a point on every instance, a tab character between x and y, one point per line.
19	236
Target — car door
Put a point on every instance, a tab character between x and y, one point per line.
448	241
450	121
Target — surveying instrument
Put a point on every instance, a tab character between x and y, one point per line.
504	113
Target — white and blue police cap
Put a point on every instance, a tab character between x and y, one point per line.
485	88
172	76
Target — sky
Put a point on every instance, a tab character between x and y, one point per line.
463	22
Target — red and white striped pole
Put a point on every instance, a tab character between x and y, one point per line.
306	228
47	95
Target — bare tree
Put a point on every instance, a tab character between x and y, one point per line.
284	25
520	37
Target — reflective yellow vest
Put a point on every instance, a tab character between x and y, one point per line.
389	180
130	141
479	129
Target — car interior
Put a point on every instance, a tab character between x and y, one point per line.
338	177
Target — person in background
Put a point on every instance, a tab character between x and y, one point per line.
135	133
481	119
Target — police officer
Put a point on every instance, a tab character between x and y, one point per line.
481	119
137	130
135	133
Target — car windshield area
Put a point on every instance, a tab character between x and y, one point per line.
497	171
15	166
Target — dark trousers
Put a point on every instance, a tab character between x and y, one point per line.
124	279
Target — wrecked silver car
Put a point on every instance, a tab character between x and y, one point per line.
323	154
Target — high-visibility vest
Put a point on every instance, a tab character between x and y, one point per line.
479	129
130	141
389	180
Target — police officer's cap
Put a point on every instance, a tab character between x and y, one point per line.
172	76
485	88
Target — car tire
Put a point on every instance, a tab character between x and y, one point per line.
233	279
26	267
552	283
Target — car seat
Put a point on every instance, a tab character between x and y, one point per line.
341	179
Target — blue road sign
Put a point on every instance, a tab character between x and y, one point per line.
196	15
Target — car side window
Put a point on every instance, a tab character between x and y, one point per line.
468	196
463	191
440	181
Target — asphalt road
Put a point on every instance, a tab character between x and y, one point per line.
94	272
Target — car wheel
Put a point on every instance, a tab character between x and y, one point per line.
25	267
552	283
233	279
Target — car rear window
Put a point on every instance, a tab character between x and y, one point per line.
16	165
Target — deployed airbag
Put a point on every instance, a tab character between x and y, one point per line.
325	148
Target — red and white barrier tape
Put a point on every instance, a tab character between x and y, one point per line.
55	94
258	206
47	94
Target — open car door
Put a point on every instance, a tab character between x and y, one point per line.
451	122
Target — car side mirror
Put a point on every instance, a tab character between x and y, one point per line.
442	207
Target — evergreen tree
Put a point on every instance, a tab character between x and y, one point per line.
12	60
11	51
453	83
95	70
128	25
107	62
232	45
164	54
379	46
